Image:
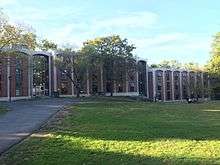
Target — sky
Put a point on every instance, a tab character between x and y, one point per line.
160	29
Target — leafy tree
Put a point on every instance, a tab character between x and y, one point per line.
167	64
46	45
154	66
213	66
12	35
113	54
170	64
214	63
192	66
74	65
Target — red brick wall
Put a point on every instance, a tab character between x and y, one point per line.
3	80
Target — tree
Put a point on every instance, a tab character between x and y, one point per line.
214	63
46	45
192	66
113	54
168	64
15	35
74	65
213	66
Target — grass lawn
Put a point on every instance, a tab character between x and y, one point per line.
2	110
111	132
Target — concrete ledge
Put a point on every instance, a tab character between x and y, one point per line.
15	98
123	94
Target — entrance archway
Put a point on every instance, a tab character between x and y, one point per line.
41	74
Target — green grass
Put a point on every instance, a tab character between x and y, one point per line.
123	132
2	110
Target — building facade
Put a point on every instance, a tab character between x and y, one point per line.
20	78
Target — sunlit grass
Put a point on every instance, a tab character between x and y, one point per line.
127	133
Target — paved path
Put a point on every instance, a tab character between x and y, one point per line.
26	117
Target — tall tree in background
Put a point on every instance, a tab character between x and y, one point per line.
213	66
170	64
15	35
214	63
74	65
111	53
46	45
192	66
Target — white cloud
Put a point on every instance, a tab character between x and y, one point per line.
179	46
128	20
161	39
77	32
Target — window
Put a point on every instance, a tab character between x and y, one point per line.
94	84
176	77
132	78
168	85
159	87
167	76
176	86
108	87
120	88
132	89
159	95
177	96
168	95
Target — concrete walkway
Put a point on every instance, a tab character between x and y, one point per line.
25	117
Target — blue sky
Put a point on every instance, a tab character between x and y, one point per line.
161	30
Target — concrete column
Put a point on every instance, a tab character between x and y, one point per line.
172	85
8	79
137	78
30	75
55	76
202	79
50	81
195	75
181	86
114	87
87	82
147	81
164	85
188	82
154	84
126	82
101	79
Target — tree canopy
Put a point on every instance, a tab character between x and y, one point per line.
214	63
15	35
113	54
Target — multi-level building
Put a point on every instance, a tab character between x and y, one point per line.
19	80
177	84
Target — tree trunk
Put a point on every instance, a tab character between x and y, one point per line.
112	87
77	92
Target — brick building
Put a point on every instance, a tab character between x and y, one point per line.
18	80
